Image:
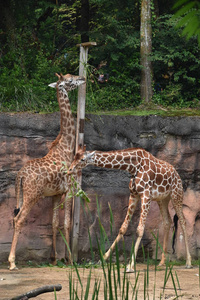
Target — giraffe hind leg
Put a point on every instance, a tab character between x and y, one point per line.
145	206
179	212
67	228
19	219
18	224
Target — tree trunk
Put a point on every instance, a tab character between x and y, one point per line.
145	51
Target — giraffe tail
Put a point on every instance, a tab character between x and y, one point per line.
175	232
19	194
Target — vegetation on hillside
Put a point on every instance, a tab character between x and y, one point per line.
38	38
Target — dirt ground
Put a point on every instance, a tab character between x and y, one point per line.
25	279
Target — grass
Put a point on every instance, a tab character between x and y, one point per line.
109	280
114	282
142	110
169	112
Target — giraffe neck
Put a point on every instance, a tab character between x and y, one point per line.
66	136
121	160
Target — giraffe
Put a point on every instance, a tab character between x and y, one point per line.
46	176
152	180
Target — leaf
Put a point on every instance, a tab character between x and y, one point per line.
83	195
185	9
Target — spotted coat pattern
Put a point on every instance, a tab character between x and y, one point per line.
152	180
46	176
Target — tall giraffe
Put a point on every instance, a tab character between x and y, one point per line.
44	176
152	180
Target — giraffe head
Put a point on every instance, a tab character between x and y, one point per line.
81	160
68	82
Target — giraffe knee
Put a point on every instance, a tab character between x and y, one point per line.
122	230
167	225
140	231
17	226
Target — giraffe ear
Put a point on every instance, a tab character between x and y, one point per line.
53	85
80	149
90	155
58	75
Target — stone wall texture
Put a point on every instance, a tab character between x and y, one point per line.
26	136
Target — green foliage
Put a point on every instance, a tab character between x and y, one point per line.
176	65
118	46
189	13
30	59
25	76
43	41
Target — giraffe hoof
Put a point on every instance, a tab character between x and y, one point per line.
161	264
188	266
99	263
13	268
129	270
54	262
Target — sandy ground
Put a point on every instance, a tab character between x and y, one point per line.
25	279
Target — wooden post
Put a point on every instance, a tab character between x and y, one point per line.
79	141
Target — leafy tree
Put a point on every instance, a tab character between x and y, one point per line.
176	65
38	38
114	25
189	11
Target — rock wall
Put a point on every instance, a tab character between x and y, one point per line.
27	136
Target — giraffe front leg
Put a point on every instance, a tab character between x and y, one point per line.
145	206
163	205
55	224
133	200
11	257
67	228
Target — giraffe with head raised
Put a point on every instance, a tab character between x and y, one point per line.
152	180
45	176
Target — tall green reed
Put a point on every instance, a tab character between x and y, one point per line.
116	284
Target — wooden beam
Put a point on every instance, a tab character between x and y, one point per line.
87	44
79	141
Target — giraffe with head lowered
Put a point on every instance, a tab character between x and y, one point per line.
152	180
45	176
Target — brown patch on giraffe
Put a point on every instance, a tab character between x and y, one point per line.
164	183
161	189
147	193
140	188
151	175
131	169
124	167
101	164
145	154
145	177
127	159
119	157
159	179
103	159
109	166
115	162
170	180
109	159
